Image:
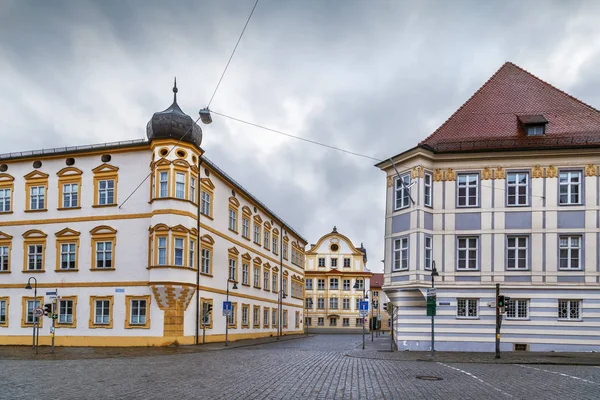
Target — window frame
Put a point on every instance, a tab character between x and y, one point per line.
245	273
468	249
580	249
569	302
73	323
25	312
204	302
581	183
427	249
7	186
256	316
516	249
467	307
92	322
398	253
105	172
403	191
467	187
425	187
517	185
6	308
516	304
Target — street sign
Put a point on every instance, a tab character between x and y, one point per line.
363	306
38	312
431	292
227	308
119	290
444	303
50	293
431	307
364	313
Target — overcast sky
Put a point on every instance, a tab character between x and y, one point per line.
373	77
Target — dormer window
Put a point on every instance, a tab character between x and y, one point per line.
533	125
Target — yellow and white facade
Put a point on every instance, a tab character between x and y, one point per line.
333	267
141	270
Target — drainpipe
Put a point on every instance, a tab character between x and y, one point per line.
198	248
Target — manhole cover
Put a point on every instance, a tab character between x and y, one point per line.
429	378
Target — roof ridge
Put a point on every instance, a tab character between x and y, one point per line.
552	86
466	102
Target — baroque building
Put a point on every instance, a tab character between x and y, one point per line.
142	267
505	192
336	279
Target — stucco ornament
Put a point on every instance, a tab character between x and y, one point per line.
438	175
390	181
450	175
551	172
499	173
538	172
486	174
590	170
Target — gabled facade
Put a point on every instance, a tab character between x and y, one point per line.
505	192
336	279
142	270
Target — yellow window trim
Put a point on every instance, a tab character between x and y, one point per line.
255	322
34	237
210	315
103	233
186	184
235	210
206	243
102	173
267	320
67	236
7	300
67	325
33	179
207	186
285	315
247	308
255	268
178	235
128	300
92	324
69	175
6	240
7	182
234	310
246	212
24	301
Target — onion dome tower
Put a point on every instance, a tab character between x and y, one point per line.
174	123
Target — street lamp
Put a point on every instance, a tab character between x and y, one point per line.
365	297
434	273
35	319
227	317
280	296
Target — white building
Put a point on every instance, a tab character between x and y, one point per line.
505	192
126	269
336	280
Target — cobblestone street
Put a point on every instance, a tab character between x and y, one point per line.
317	367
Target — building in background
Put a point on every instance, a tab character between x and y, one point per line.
336	279
505	192
379	301
146	269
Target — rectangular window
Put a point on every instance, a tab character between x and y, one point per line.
275	246
138	312
346	284
321	303
70	195
257	277
35	256
346	262
569	310
332	321
180	185
256	316
192	260
205	203
334	262
267	238
266	317
179	252
402	192
570	252
163	180
309	283
245	228
468	190
4	262
321	321
2	312
570	187
232	219
297	320
30	319
321	261
232	269
308	304
401	254
428	252
517	309
467	308
205	261
346	321
320	284
266	280
428	179
65	312
308	321
360	283
517	188
517	252
256	234
206	312
162	251
104	255
346	304
106	192
358	321
231	317
67	256
285	247
4	200
36	197
274	317
274	283
102	312
245	311
245	274
467	253
285	318
193	189
333	284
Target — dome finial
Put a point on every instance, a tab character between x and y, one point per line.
175	90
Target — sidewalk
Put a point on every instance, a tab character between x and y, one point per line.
82	353
380	349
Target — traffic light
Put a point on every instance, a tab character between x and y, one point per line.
384	306
501	301
48	310
209	308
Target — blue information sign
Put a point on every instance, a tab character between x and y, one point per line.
363	306
227	308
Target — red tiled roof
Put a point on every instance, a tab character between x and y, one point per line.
489	120
377	280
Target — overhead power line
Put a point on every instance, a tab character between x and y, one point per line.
232	53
